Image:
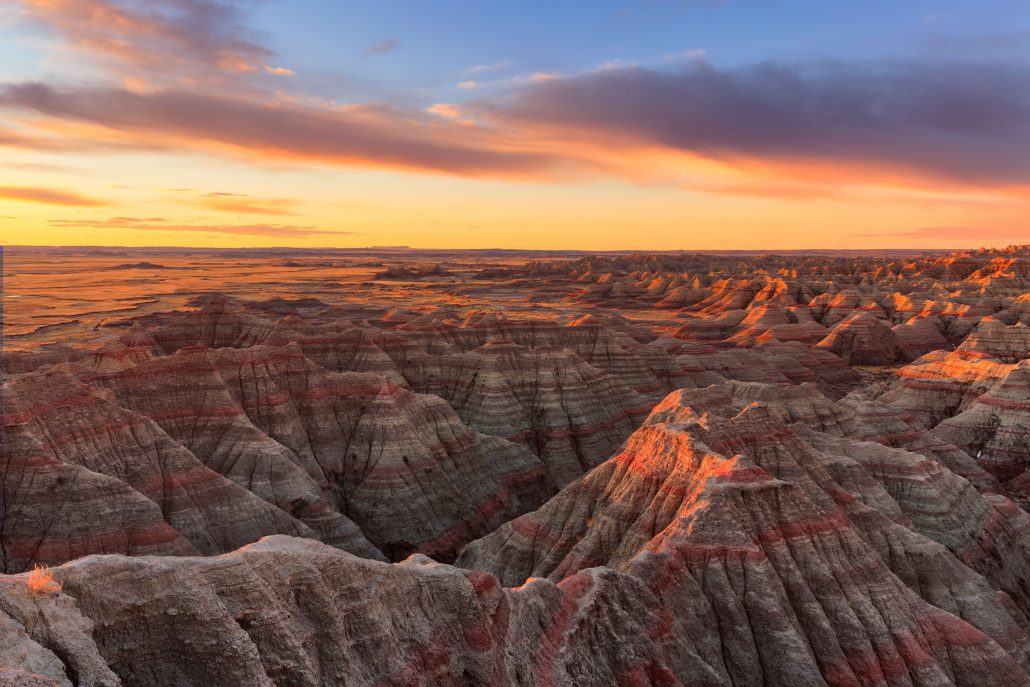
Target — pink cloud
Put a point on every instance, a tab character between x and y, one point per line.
48	196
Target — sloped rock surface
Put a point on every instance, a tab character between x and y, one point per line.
569	413
864	339
993	339
218	448
995	427
779	509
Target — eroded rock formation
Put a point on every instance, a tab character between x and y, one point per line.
684	470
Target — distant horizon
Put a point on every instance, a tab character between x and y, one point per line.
309	249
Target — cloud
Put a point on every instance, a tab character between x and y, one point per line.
234	202
446	110
48	196
382	47
469	85
279	71
35	167
692	55
930	124
357	135
960	122
161	224
764	189
498	66
198	40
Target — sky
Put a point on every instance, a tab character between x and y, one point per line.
595	125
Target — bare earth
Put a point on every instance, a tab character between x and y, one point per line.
399	467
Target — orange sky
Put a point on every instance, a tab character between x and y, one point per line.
141	133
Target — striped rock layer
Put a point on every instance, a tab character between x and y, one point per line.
203	451
570	394
287	611
840	554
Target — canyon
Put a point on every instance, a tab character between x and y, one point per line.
401	467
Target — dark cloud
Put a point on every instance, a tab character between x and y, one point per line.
966	122
375	135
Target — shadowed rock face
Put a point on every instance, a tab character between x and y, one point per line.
566	411
224	427
570	394
219	448
720	547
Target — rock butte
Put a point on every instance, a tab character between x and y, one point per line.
671	469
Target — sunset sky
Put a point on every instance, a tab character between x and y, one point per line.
632	124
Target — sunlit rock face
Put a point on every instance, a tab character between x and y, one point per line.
721	505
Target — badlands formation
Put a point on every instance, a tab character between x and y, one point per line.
397	468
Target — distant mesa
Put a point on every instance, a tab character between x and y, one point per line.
139	266
313	264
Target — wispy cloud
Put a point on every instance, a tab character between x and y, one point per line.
279	71
766	189
382	47
446	110
469	85
35	166
162	224
691	55
48	196
238	203
156	40
490	68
